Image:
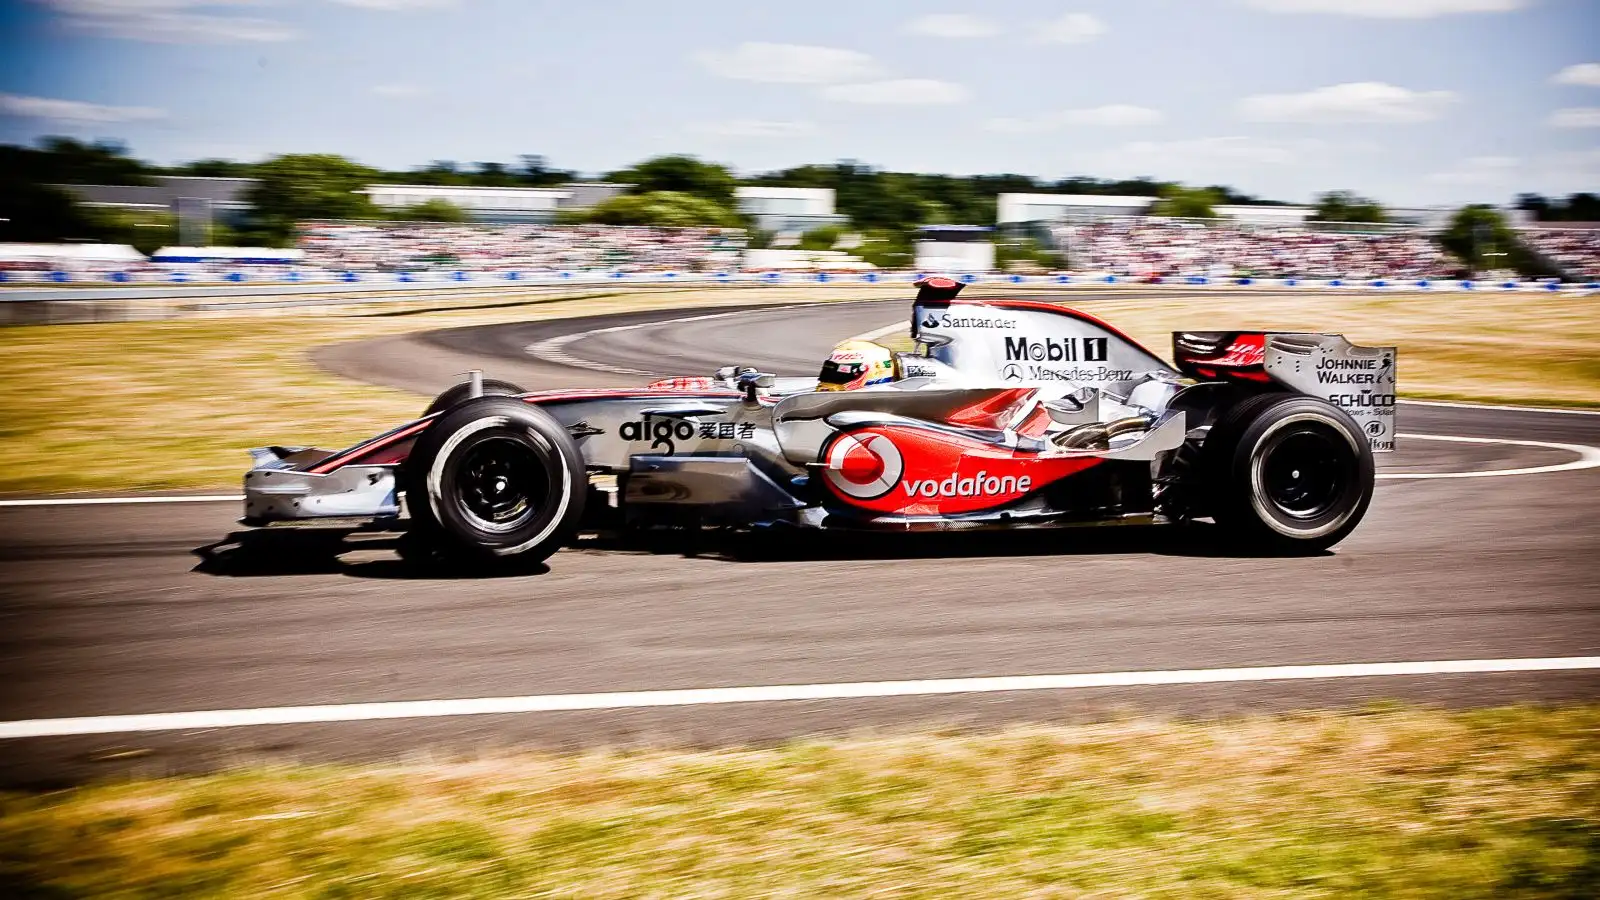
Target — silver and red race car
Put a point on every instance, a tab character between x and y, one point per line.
1010	413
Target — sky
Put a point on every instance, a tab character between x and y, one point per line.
1411	102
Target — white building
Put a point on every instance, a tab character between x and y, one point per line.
1266	216
1020	209
781	209
496	204
954	249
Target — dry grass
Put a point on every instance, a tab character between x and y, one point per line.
171	404
1387	803
174	403
1530	348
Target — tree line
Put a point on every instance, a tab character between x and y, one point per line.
884	207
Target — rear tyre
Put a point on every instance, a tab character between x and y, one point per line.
1288	474
495	480
462	392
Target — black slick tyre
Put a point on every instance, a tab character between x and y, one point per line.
495	480
1287	474
459	393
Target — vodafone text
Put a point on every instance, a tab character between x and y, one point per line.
979	485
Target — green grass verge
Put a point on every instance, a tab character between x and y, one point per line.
1386	803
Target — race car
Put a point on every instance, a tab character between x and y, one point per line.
1008	413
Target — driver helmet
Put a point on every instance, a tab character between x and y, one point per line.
856	364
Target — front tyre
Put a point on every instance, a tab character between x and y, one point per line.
1289	474
459	393
495	480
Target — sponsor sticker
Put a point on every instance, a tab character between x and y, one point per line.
663	435
958	320
1067	349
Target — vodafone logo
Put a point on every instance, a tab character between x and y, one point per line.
864	467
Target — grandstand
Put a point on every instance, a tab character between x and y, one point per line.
1143	247
418	247
1572	247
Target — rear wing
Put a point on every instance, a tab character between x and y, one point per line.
1359	380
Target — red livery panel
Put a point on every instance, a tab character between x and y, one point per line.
907	470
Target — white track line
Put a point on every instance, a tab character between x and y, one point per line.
876	333
479	706
1588	457
1532	409
554	349
109	501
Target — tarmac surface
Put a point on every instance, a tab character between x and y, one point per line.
128	609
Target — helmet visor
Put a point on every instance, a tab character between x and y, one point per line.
841	373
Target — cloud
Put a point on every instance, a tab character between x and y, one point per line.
789	63
1388	9
167	21
1576	117
1072	28
399	91
755	128
952	25
1230	149
1358	101
74	110
397	5
899	92
1480	170
1582	74
1114	115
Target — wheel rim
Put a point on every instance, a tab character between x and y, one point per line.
1307	472
501	484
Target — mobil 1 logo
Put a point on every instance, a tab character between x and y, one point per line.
1067	349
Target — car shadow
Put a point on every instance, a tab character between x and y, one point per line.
272	552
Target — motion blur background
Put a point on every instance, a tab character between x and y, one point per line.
1262	138
238	223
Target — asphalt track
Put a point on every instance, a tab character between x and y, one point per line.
126	609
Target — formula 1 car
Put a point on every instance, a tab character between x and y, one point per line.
1010	413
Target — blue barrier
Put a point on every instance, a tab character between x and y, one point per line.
377	280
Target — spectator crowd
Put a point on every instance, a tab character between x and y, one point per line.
1144	247
419	246
1575	249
